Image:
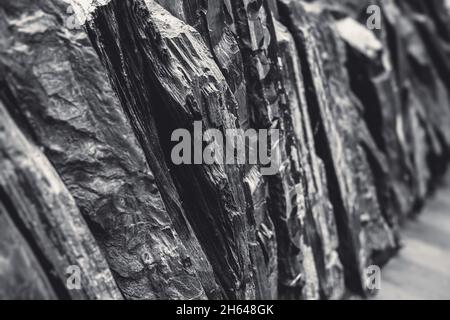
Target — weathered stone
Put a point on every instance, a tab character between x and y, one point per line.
392	109
178	83
373	82
425	98
270	106
214	20
342	140
34	196
320	221
21	275
72	112
363	116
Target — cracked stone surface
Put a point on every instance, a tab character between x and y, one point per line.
92	90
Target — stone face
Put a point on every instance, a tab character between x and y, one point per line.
92	91
431	23
343	140
422	81
214	21
179	84
373	81
21	276
321	223
254	28
394	98
273	98
73	113
33	195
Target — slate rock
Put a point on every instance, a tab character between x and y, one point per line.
21	275
58	89
178	83
34	196
364	235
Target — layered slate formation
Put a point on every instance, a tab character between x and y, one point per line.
92	90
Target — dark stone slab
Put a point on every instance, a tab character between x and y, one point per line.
58	90
21	275
34	196
318	217
343	141
178	83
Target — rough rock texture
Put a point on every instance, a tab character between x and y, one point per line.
373	81
73	113
215	22
257	40
395	90
87	114
344	141
43	210
183	85
423	92
317	202
21	276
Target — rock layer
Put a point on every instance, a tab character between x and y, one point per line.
41	207
92	91
73	113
